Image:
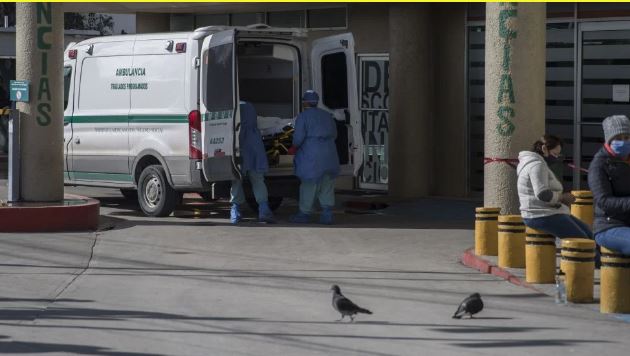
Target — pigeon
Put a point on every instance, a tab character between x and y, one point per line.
471	305
344	305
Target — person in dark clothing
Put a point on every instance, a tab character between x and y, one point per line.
609	180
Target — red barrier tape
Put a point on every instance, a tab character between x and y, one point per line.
512	162
571	165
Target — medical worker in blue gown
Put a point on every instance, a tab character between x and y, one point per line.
316	160
254	166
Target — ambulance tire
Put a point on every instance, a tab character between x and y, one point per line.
130	194
155	195
274	203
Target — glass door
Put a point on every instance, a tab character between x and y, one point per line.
604	87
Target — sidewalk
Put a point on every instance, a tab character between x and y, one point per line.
199	286
489	265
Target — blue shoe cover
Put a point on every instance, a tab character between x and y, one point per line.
235	214
326	217
265	214
300	218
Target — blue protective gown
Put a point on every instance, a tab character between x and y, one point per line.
253	153
315	134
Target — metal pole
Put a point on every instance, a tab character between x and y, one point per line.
14	156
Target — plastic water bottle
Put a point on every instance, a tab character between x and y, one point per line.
561	289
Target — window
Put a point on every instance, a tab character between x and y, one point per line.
286	19
327	18
182	22
245	19
7	72
335	80
67	76
212	20
219	86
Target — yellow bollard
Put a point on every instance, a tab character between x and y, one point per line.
582	208
511	241
540	256
578	265
486	231
615	283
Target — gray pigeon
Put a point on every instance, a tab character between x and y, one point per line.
344	305
471	305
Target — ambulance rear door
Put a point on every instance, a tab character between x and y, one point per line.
218	106
334	78
68	102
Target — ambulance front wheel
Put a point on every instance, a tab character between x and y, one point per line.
155	195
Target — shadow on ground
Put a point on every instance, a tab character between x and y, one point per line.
20	347
209	325
418	214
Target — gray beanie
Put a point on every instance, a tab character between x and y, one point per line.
615	125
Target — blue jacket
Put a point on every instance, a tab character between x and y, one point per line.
314	136
609	180
254	157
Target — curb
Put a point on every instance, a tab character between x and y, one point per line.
469	259
82	216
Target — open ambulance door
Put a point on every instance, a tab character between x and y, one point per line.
218	106
334	78
68	101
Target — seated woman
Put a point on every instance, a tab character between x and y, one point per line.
609	180
543	204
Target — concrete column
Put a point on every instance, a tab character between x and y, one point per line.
410	130
39	59
514	94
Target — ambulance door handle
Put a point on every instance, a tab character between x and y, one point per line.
77	140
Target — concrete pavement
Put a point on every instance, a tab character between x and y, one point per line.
191	284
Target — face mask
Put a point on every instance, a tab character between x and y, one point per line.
621	148
554	159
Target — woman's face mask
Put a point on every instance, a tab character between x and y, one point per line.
554	159
554	154
620	147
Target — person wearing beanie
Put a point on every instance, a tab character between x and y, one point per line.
543	204
609	180
254	165
316	161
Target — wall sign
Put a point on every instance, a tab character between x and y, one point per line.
506	97
44	46
374	106
19	90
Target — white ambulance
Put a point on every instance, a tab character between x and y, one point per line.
157	115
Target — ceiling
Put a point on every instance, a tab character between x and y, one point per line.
187	7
